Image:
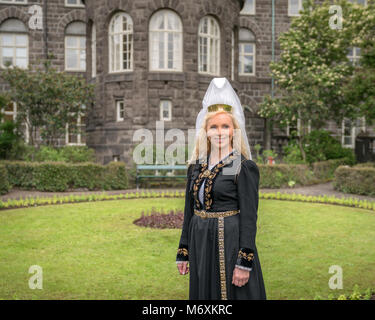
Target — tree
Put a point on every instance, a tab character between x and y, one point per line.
47	100
314	68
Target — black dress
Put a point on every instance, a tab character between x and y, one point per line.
214	246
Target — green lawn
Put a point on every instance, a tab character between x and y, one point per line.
94	251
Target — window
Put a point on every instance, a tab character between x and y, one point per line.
348	133
77	137
354	55
165	110
121	43
75	46
295	126
294	7
14	44
9	112
165	41
246	50
209	46
14	1
74	3
120	110
249	7
93	51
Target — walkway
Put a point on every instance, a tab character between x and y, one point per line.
314	190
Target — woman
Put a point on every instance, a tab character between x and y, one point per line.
217	244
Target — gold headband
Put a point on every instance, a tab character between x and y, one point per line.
216	107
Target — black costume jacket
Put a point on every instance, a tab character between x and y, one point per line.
202	239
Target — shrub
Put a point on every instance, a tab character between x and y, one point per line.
70	154
61	176
357	180
4	185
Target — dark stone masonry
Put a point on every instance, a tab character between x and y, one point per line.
140	89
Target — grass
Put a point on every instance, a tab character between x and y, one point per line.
94	251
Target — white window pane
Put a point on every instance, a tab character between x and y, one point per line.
7	40
8	52
82	41
22	63
21	40
248	7
71	42
21	52
294	6
248	48
72	59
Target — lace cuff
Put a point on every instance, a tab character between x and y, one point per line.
182	254
245	258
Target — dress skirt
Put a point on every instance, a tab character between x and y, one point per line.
207	272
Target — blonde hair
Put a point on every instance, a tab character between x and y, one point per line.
202	140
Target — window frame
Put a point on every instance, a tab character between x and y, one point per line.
79	135
128	33
161	106
82	5
209	36
14	46
118	110
79	69
300	7
241	52
177	56
252	12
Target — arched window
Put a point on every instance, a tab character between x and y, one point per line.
246	52
93	51
165	41
75	46
249	7
209	46
121	43
14	44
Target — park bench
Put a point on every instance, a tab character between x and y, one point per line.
157	167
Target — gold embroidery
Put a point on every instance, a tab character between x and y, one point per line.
204	214
210	176
223	280
182	251
247	257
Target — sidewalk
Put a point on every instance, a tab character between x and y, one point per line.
314	190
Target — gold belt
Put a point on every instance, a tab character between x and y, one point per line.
221	214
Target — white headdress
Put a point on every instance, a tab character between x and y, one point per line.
221	92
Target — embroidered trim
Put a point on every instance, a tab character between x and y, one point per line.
210	176
245	257
243	268
223	281
182	253
216	214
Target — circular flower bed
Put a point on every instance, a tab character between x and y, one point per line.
161	220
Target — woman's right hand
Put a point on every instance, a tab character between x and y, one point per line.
183	267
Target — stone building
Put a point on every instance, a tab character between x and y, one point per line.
152	60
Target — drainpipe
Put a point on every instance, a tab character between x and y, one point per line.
268	123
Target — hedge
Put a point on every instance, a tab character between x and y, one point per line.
279	175
357	180
4	181
325	170
62	176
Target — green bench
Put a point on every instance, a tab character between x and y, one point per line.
141	168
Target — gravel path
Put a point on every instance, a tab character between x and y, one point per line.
314	190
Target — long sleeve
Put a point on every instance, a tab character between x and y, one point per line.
182	252
248	197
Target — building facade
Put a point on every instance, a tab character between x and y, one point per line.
152	60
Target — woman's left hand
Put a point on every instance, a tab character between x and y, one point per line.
240	277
